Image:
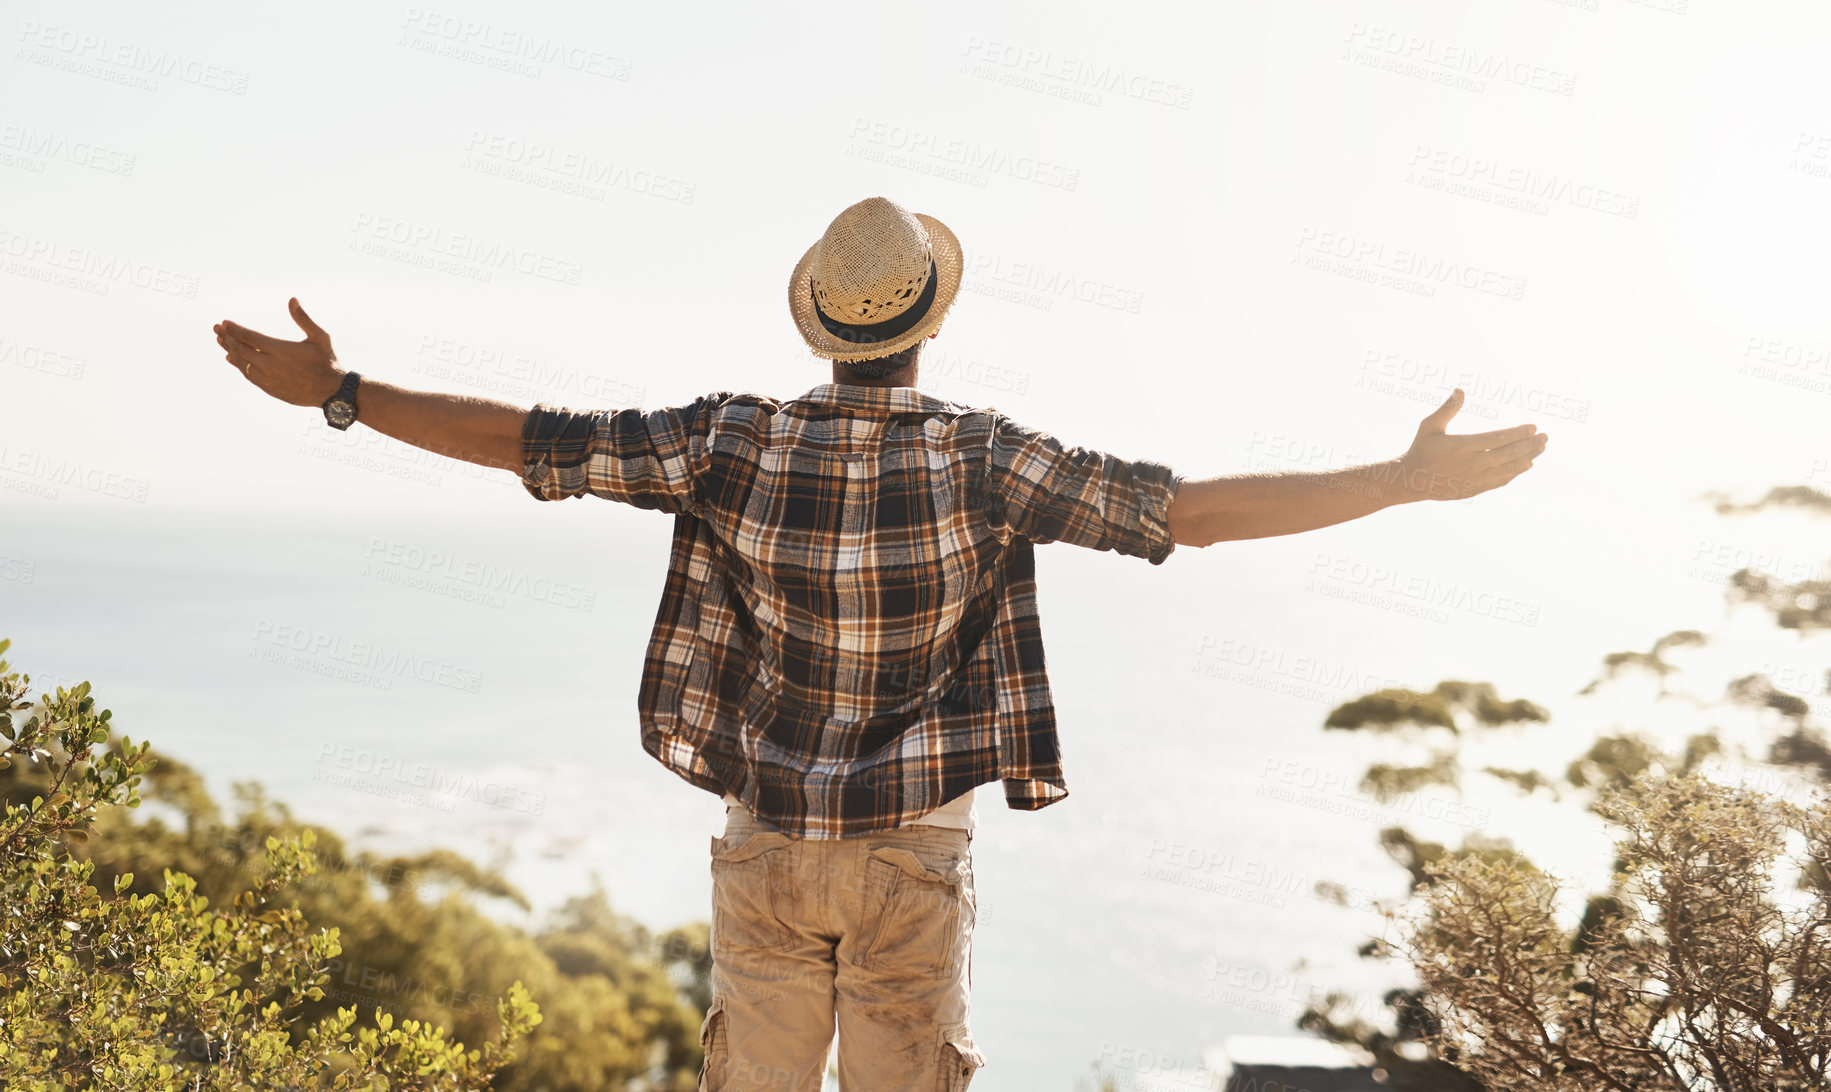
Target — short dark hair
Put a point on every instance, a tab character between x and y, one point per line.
879	367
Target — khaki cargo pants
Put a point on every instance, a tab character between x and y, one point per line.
873	934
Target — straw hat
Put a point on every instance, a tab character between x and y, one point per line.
879	280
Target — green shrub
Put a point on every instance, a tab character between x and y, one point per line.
211	977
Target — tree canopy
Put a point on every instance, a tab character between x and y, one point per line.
1703	965
173	947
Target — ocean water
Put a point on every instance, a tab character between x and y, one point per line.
414	680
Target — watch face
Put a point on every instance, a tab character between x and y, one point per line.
340	414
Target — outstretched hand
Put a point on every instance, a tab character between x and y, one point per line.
1439	466
301	373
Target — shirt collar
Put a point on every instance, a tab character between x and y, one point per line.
894	399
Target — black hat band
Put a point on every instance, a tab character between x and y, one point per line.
871	333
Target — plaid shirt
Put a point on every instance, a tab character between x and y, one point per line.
848	636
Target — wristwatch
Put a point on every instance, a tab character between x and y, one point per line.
340	408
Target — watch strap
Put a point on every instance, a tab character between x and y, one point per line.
346	393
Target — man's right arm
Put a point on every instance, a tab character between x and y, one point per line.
305	373
1048	491
1437	466
1263	505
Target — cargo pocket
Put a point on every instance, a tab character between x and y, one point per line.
959	1058
747	880
925	911
712	1042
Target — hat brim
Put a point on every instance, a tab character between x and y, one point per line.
950	266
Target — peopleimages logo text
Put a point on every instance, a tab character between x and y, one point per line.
510	44
90	262
42	145
964	153
433	779
1463	59
434	240
38	469
80	50
1076	72
1421	588
1053	282
333	648
1411	262
477	574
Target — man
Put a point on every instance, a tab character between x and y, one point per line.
848	641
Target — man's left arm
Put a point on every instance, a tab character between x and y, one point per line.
645	458
305	373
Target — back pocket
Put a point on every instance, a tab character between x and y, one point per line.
748	872
925	921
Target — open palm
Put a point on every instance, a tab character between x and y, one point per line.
1439	466
301	373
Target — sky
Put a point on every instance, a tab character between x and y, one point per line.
1226	237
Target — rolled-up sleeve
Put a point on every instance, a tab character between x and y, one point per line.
646	458
1046	491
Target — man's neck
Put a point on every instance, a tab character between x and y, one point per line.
902	377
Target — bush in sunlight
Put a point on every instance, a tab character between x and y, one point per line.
1704	964
201	963
1696	970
